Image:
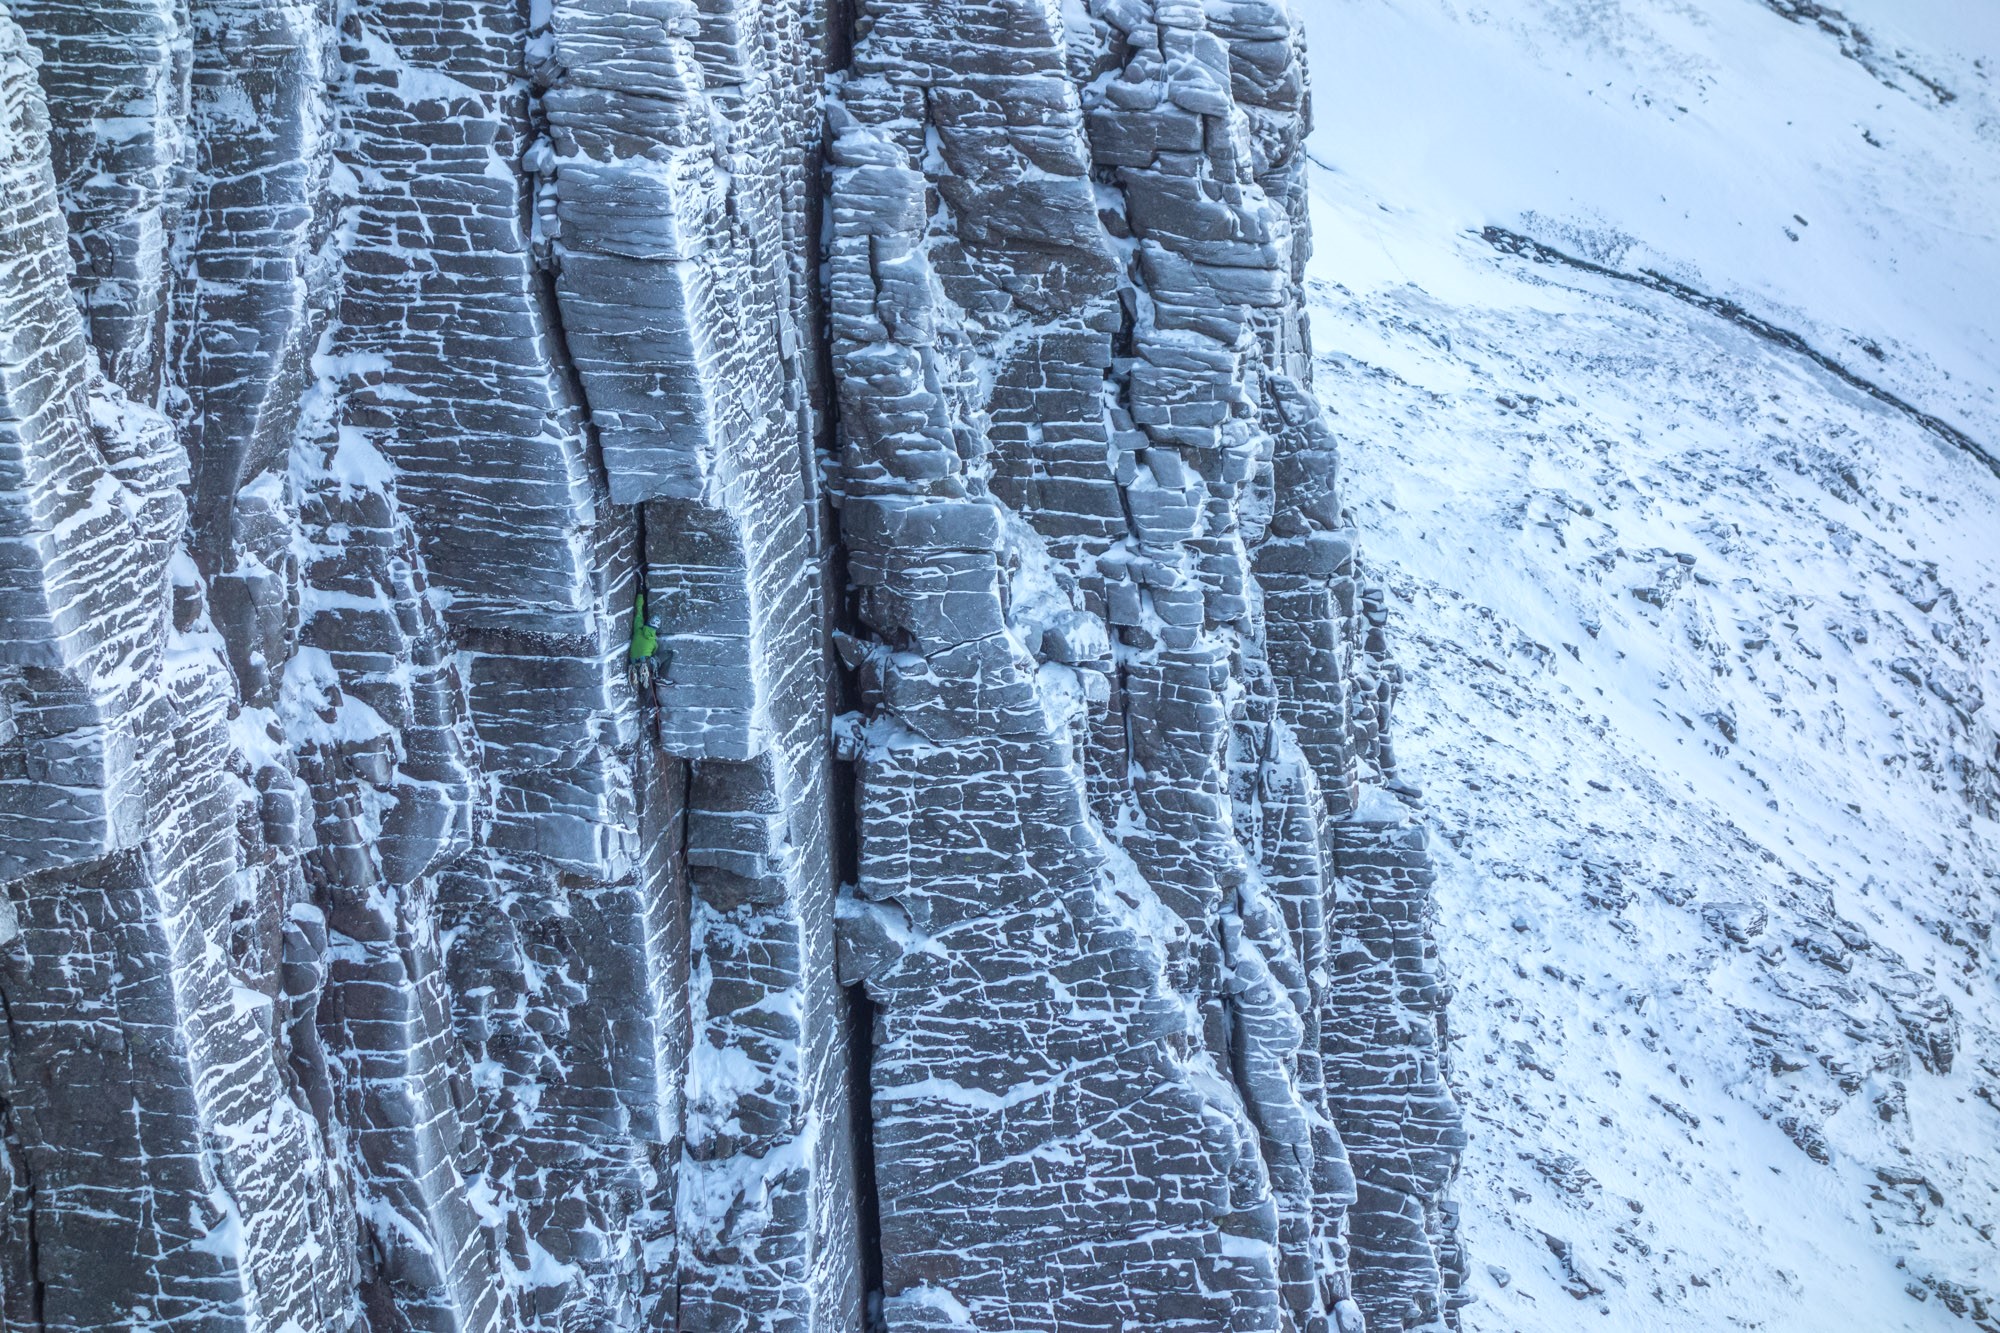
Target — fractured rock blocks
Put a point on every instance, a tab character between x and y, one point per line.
1150	665
993	903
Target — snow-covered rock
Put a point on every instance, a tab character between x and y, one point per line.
694	666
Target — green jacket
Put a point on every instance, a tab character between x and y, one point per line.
645	639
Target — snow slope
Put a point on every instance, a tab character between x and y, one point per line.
1699	635
1837	175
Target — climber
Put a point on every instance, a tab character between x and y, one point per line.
645	646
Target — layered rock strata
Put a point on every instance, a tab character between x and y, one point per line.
977	894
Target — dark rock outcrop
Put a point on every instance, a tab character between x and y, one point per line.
984	900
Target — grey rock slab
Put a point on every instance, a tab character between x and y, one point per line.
971	898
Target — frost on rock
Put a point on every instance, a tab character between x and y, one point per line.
1121	690
992	904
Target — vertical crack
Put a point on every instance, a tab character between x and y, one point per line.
840	614
841	20
868	1211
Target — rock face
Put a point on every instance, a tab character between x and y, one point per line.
691	666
